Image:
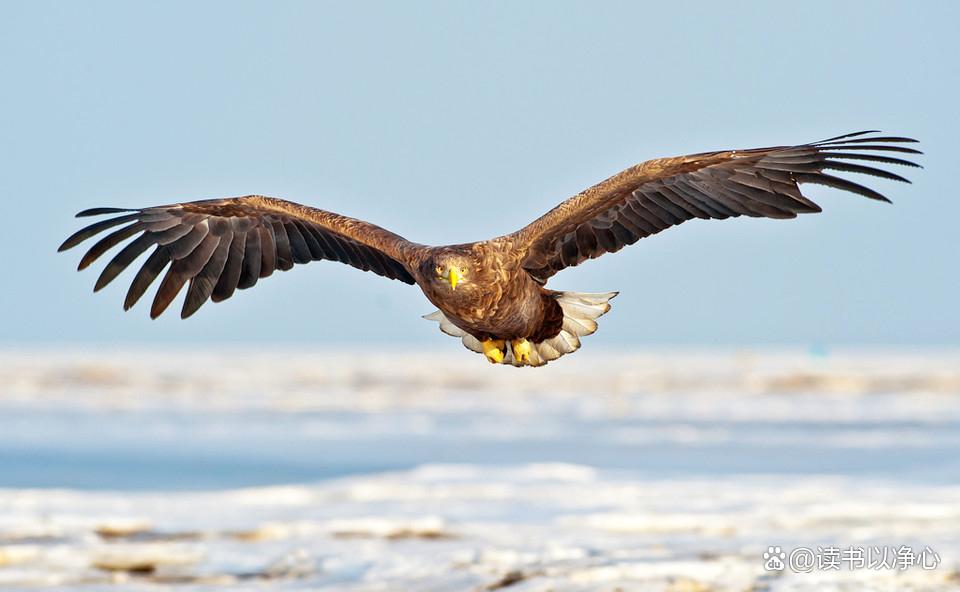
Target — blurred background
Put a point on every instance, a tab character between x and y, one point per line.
757	382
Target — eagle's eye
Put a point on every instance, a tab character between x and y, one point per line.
439	270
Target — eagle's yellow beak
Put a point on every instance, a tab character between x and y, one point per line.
454	277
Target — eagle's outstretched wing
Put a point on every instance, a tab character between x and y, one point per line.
220	245
657	194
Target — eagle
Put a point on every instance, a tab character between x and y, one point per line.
491	294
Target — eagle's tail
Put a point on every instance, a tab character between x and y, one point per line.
580	314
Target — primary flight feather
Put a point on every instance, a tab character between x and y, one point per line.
492	293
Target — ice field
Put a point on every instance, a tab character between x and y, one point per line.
666	470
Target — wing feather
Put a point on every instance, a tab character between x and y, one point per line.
185	245
152	267
268	251
183	269
101	211
252	260
298	245
123	259
218	246
84	233
203	283
107	243
282	246
232	269
655	195
313	245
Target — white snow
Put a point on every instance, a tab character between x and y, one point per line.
434	472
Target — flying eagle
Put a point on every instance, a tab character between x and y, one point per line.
491	294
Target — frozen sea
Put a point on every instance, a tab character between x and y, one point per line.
236	468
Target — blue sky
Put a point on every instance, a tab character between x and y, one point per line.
456	121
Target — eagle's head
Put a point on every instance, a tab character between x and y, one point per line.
449	269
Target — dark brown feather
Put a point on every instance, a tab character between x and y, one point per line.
232	269
657	194
202	284
316	250
101	211
107	243
282	245
185	245
221	245
149	272
84	233
123	259
252	260
182	270
268	251
298	245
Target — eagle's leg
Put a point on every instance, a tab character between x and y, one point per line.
494	349
521	350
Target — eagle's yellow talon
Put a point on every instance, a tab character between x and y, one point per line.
521	350
493	349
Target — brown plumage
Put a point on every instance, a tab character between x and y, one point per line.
491	293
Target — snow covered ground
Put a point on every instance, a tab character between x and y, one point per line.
434	471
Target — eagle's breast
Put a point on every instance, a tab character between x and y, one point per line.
499	299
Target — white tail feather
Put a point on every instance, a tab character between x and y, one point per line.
580	314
